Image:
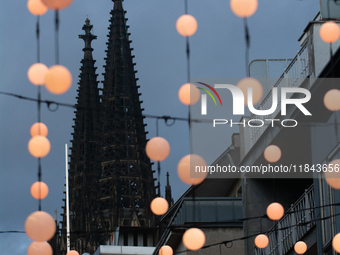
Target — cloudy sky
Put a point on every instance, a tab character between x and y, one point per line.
217	51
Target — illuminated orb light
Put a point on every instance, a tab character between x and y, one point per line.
300	247
329	32
159	206
275	211
272	153
165	250
336	243
39	190
261	241
57	4
186	25
331	100
243	8
36	7
189	94
186	169
39	146
157	148
332	175
39	128
36	73
193	239
257	90
72	252
39	248
58	79
40	226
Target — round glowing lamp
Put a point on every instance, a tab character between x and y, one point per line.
72	252
36	73
39	190
165	250
189	94
261	241
272	153
336	243
58	79
332	175
275	211
329	32
40	226
255	85
300	247
193	239
57	4
39	146
331	100
39	128
243	8
159	206
186	169
157	149
39	248
186	25
36	7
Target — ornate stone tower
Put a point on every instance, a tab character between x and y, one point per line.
110	177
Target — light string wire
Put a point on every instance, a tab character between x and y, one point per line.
39	112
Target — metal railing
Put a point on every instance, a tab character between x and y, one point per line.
293	76
281	241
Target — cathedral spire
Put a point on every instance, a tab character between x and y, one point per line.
87	37
168	195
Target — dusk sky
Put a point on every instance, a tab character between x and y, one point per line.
217	51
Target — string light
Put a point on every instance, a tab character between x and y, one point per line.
58	79
255	85
261	241
40	226
36	7
300	247
331	100
186	25
275	211
329	32
159	206
157	149
36	73
193	239
57	4
332	175
39	248
39	190
187	172
39	128
243	8
272	153
165	250
39	146
189	94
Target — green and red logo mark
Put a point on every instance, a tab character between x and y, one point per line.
204	97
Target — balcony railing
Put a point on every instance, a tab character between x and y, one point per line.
281	241
293	76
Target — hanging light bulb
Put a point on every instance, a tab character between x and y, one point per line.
336	243
193	239
189	94
186	25
40	226
257	90
36	7
37	72
39	146
275	211
300	247
272	153
39	128
39	248
332	175
165	250
243	8
329	32
159	206
157	149
186	169
261	241
39	190
57	4
331	100
72	252
58	79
